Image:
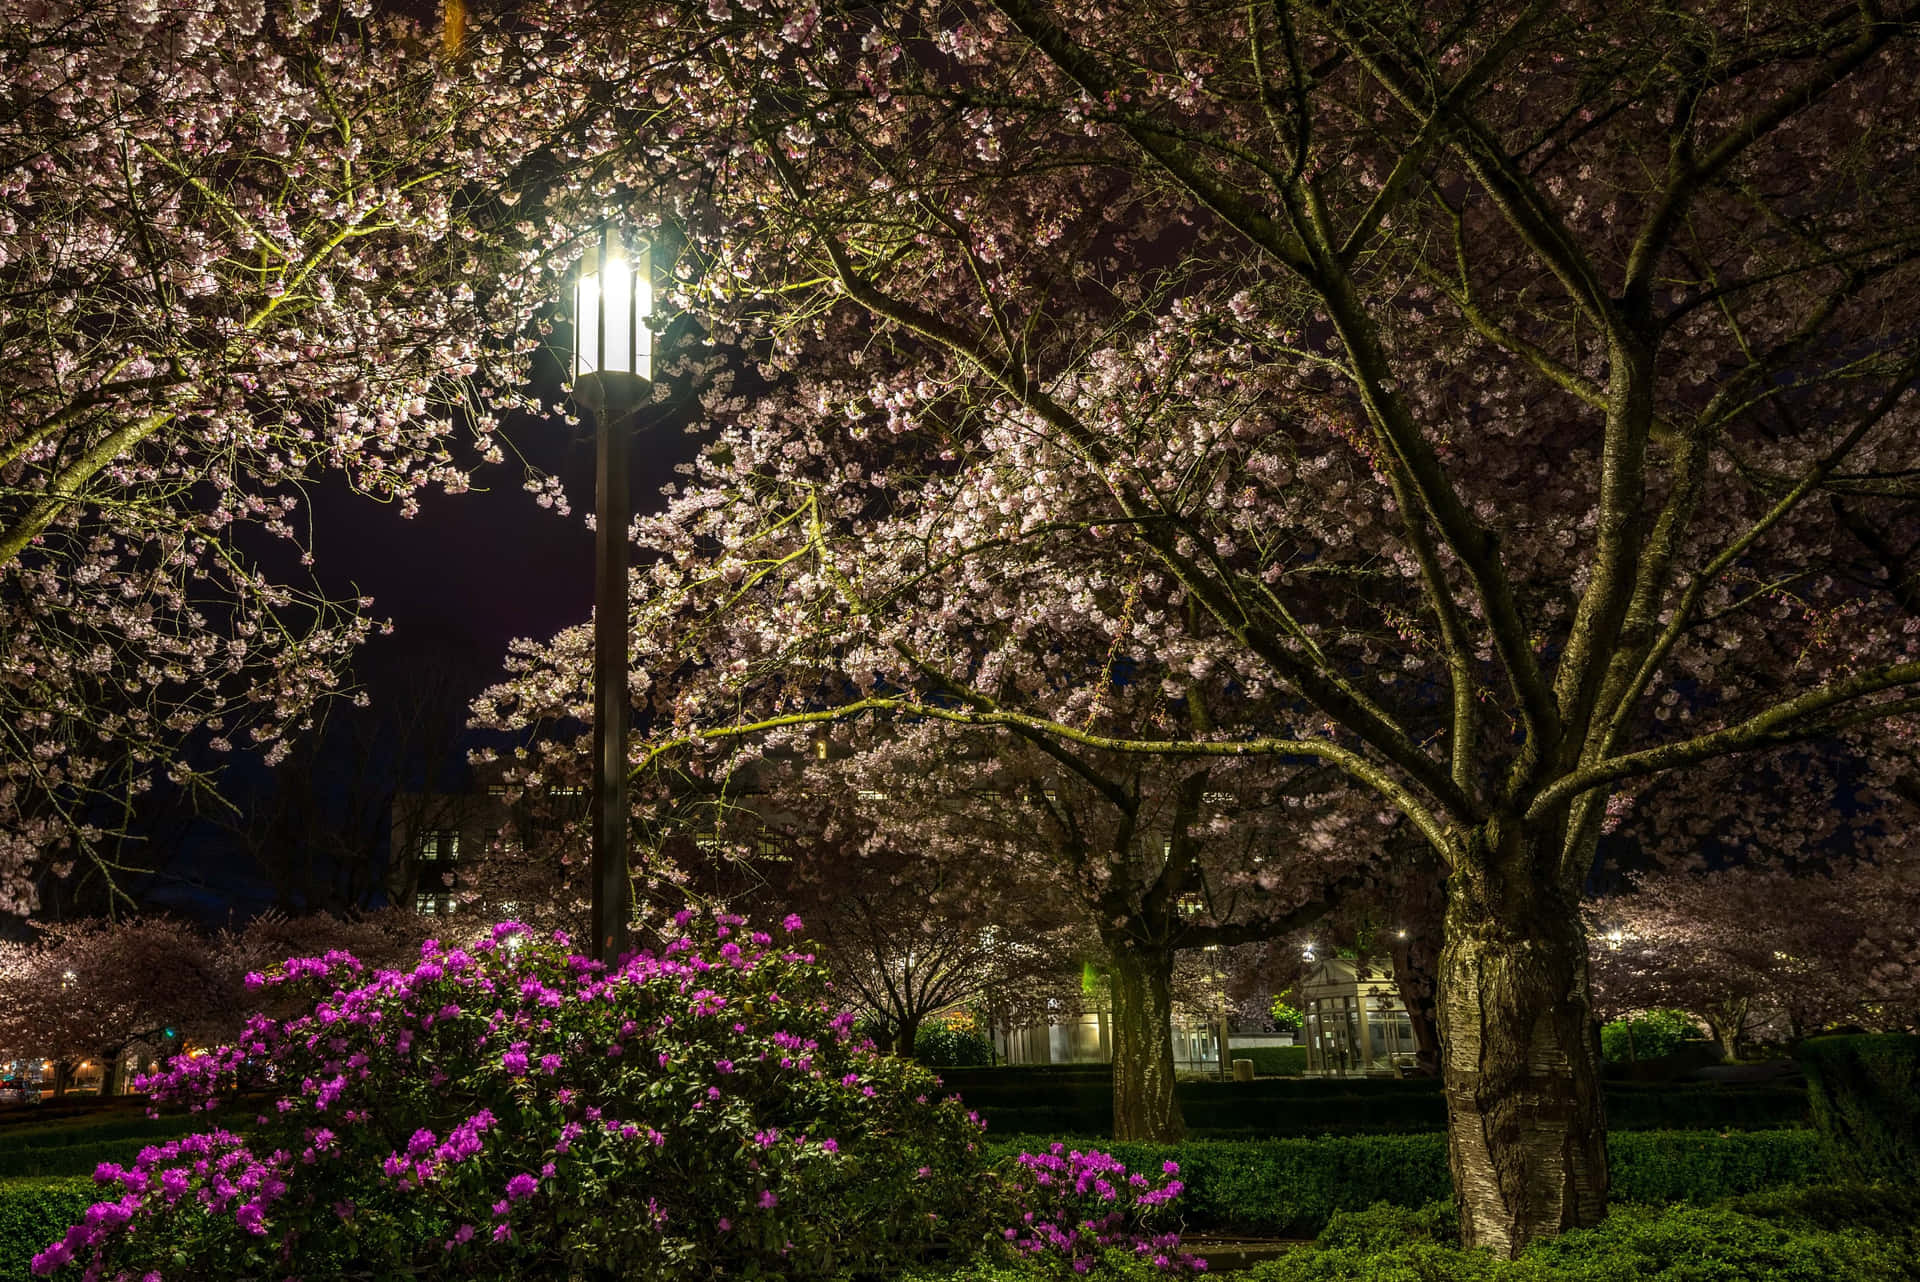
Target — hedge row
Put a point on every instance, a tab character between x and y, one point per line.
1842	1234
1273	1061
77	1149
1865	1095
1281	1107
1291	1187
36	1212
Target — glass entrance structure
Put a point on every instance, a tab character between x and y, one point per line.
1355	1023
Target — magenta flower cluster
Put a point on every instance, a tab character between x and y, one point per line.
1073	1206
451	1120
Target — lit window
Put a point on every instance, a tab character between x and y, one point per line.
439	843
430	904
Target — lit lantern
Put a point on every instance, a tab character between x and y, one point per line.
612	299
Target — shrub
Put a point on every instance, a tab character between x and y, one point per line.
1650	1036
511	1109
1286	1019
956	1041
1864	1095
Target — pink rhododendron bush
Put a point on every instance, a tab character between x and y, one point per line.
1084	1209
512	1109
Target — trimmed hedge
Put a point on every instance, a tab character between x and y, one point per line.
75	1149
36	1212
1645	1244
1081	1103
1288	1188
1292	1187
1272	1061
1864	1095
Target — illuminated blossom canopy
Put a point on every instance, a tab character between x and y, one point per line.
1499	404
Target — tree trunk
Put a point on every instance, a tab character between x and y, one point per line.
1728	1022
1416	963
1526	1132
905	1034
1144	1107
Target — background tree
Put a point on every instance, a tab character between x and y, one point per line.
1758	951
90	989
907	936
1153	859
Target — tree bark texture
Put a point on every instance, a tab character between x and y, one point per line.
1415	965
1526	1131
1144	1107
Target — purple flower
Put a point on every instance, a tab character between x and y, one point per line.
522	1185
767	1200
792	923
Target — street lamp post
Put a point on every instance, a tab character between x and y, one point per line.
612	372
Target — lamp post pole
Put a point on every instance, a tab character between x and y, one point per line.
613	363
611	706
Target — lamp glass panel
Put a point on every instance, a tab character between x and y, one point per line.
616	275
642	309
586	324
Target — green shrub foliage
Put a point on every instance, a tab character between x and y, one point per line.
1653	1035
1635	1244
35	1211
1864	1097
511	1109
948	1044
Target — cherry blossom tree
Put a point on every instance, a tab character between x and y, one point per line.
907	936
1760	950
91	988
1498	398
242	248
1151	860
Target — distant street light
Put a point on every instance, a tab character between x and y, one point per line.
612	374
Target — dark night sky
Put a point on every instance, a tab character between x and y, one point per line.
461	579
473	571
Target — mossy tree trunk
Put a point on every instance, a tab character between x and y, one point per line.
1144	1106
1526	1131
